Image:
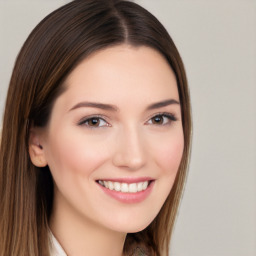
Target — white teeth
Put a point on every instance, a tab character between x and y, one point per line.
125	187
117	186
110	185
133	188
105	184
140	186
144	185
101	182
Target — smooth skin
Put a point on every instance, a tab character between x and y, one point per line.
129	136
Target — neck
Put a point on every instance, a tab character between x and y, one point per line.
81	236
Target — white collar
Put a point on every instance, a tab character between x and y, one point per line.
55	247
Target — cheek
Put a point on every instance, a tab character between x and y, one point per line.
70	154
169	153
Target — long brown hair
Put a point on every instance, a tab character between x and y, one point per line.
51	52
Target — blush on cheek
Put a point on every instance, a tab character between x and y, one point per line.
77	155
170	156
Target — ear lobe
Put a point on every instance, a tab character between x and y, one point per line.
36	150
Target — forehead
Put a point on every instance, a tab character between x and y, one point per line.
122	73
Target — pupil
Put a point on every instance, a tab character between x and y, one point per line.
158	119
94	122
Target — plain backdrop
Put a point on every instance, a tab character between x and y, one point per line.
217	41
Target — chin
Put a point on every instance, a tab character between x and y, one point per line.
132	226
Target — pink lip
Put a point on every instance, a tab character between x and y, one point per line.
129	197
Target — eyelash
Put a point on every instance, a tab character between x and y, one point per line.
96	117
171	118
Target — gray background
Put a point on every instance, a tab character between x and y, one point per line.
217	41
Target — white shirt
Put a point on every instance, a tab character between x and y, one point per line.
55	247
57	250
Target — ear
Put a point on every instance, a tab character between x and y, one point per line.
36	150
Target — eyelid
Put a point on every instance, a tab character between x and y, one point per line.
85	119
172	117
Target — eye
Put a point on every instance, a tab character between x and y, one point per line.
162	119
94	122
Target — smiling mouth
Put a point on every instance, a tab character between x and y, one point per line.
125	187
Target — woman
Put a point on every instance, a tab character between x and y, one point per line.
96	135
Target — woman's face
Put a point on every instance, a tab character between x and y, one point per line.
114	141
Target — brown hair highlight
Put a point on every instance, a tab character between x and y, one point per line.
53	49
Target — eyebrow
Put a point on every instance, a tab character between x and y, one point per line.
110	107
162	104
95	105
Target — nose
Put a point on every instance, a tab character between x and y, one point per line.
130	150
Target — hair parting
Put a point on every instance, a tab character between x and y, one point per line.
53	49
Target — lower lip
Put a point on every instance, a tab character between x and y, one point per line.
129	198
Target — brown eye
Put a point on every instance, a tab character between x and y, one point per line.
94	122
162	119
158	120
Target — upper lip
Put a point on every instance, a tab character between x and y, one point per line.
128	180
